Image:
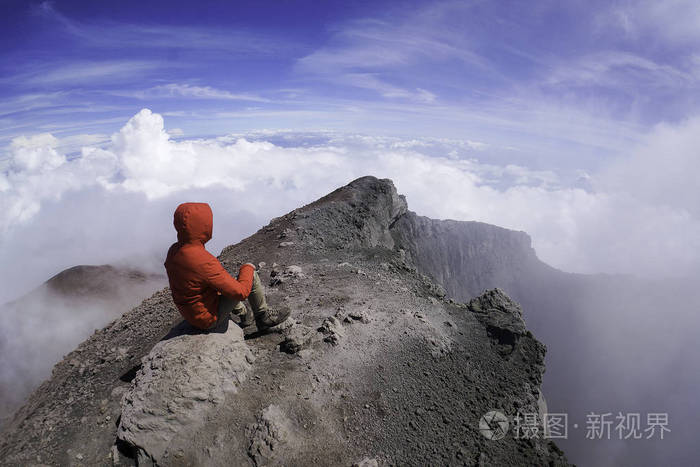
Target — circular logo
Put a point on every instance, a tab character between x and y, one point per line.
493	425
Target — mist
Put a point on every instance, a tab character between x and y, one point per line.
40	328
620	344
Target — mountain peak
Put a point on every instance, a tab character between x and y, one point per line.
377	366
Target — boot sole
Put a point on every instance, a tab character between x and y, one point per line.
262	327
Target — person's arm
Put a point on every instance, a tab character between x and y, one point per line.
218	278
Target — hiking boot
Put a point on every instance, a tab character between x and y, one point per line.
270	317
243	316
265	317
247	319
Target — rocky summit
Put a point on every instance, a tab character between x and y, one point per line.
376	366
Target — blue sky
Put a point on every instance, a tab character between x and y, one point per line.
555	79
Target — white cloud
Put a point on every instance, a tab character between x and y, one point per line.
672	21
370	53
371	43
372	82
193	92
36	153
619	69
107	71
27	102
76	142
203	40
117	200
662	170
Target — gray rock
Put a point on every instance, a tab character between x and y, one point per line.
366	462
359	315
465	257
332	328
293	270
276	280
180	382
502	317
114	454
297	337
368	204
268	435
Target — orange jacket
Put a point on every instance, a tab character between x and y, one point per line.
196	277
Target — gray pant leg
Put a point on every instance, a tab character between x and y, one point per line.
257	295
229	304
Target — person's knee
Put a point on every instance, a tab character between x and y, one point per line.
257	284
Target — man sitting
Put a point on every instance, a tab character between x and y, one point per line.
202	289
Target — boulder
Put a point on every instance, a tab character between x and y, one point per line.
181	381
502	317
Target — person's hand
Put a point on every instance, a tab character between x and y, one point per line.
251	265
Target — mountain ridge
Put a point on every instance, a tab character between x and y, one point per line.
375	348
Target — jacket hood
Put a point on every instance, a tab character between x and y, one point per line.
193	222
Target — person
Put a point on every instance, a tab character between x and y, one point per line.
203	291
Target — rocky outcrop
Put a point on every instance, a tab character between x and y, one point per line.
268	437
181	381
357	215
502	317
376	367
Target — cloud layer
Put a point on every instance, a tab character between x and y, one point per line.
638	214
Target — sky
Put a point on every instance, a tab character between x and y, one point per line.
566	83
575	121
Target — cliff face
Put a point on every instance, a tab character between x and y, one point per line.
465	257
376	365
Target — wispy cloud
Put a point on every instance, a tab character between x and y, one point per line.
372	82
193	92
370	53
407	37
103	72
620	69
671	22
29	101
118	36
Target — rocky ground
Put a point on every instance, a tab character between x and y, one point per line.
376	366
